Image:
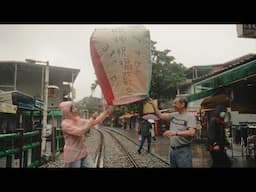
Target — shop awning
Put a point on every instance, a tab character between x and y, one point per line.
197	96
213	101
54	112
226	78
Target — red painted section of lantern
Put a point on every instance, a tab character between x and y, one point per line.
101	75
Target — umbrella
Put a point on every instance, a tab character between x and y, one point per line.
150	116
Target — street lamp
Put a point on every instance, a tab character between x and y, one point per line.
46	83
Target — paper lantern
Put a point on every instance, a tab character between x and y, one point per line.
147	107
122	63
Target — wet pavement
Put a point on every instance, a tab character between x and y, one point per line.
239	157
201	157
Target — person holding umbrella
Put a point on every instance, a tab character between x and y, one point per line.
144	127
152	130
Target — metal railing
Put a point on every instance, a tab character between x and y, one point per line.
23	149
20	149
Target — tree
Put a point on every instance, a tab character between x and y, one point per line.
166	74
88	104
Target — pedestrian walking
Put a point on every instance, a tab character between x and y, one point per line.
217	140
145	132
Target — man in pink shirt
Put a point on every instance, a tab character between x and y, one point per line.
74	129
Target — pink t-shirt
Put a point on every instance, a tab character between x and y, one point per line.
74	134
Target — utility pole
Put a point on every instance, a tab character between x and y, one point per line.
46	83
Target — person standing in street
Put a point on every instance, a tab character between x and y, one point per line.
181	132
74	128
217	140
145	131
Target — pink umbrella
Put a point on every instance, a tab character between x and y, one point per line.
150	116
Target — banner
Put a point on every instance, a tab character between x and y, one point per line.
122	63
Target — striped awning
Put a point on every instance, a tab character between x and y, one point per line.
226	78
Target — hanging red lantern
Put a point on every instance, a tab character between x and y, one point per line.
52	90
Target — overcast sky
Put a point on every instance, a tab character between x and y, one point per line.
68	46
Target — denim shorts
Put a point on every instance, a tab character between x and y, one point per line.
85	162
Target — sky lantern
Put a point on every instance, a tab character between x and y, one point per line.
122	62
